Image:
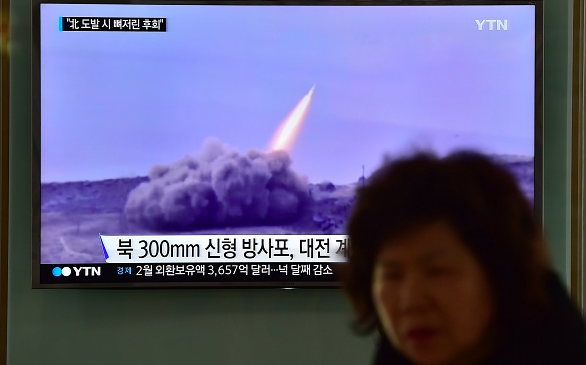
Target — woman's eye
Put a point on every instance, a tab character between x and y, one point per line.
391	275
439	271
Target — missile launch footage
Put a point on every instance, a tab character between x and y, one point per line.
262	120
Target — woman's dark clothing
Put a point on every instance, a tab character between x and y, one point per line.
559	338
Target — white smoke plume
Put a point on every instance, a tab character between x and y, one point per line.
219	187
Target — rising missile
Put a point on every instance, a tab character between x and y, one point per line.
289	128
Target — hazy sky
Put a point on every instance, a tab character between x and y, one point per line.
114	104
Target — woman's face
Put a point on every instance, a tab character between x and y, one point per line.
433	298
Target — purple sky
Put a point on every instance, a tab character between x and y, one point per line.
114	104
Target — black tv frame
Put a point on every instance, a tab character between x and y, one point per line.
36	123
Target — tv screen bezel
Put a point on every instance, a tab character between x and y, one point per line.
36	125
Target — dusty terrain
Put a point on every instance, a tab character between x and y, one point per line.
74	213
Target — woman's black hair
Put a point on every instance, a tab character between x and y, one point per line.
482	202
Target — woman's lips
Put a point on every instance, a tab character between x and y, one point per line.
421	335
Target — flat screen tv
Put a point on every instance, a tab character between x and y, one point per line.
220	143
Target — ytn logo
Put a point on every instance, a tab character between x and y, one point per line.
78	271
492	24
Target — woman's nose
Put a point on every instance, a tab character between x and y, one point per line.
412	293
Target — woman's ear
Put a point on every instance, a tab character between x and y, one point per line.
542	253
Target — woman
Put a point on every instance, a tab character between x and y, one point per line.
449	263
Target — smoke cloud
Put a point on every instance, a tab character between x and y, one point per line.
219	187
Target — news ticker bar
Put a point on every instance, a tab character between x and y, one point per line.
186	272
225	248
102	24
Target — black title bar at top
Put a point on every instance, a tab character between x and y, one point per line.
101	24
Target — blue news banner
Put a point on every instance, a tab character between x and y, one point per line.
217	272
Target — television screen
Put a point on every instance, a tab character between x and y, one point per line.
220	144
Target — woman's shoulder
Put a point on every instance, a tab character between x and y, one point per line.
558	337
